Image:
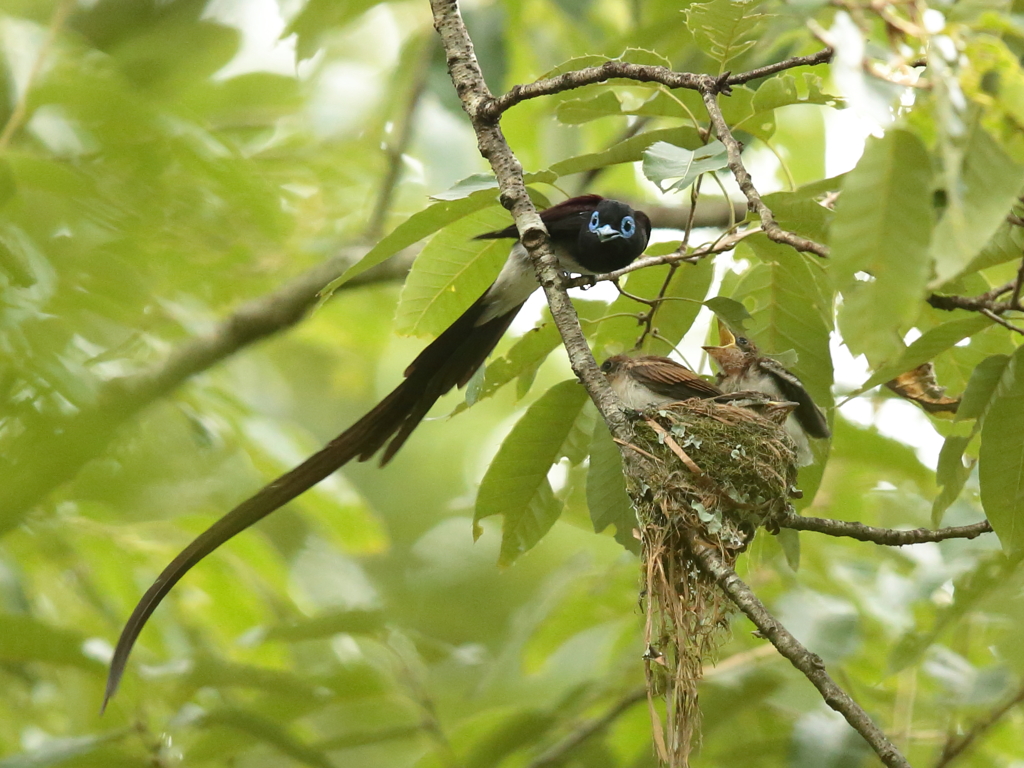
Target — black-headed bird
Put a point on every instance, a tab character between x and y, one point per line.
589	235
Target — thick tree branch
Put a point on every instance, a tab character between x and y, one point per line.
478	103
483	112
888	537
805	661
69	442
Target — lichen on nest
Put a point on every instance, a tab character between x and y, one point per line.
719	471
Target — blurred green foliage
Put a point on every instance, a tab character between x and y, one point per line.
162	162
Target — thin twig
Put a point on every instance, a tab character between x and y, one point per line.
888	537
954	747
805	661
821	57
709	93
1018	285
648	320
561	751
627	444
401	136
726	243
991	315
668	440
20	111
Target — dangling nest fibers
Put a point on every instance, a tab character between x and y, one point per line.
719	471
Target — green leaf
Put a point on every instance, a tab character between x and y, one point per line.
782	91
27	639
630	150
730	311
8	184
724	29
576	111
61	751
680	104
321	17
482	181
412	230
664	161
673	318
790	303
450	273
20	258
951	474
607	499
882	227
512	733
516	484
988	185
1005	245
524	357
686	292
801	212
352	621
1001	459
789	541
266	730
933	342
982	387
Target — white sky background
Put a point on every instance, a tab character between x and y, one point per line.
353	84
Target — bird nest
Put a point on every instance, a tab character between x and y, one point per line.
714	472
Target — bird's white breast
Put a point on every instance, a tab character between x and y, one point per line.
636	395
517	280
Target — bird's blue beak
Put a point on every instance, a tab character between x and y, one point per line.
607	232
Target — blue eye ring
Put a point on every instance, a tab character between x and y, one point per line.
595	221
628	226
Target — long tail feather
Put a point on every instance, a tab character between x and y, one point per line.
449	361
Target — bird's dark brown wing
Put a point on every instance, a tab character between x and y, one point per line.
563	218
668	378
807	412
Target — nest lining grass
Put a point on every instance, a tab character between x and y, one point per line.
718	471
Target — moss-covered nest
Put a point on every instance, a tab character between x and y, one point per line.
720	472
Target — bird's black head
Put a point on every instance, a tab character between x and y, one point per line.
612	237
